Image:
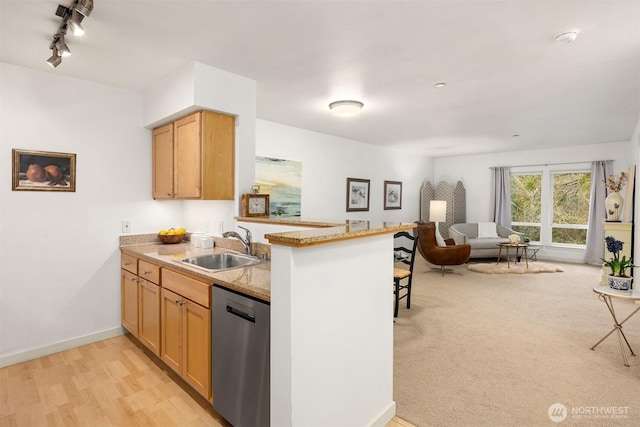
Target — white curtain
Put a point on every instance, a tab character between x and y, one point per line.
600	170
501	197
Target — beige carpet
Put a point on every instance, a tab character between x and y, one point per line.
519	268
499	350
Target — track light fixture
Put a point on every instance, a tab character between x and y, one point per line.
74	24
55	59
72	17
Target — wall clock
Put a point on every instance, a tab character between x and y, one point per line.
255	205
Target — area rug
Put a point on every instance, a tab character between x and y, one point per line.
519	268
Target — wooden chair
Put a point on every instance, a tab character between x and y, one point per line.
401	276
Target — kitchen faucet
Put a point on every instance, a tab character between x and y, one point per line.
246	242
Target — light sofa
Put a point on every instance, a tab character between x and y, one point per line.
481	247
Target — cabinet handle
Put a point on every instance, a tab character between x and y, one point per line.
133	279
180	302
146	273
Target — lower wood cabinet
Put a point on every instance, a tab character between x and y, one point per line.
129	301
140	301
149	315
186	331
170	314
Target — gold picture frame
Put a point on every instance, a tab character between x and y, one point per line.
35	170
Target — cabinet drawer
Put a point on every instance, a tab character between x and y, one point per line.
149	271
129	263
195	290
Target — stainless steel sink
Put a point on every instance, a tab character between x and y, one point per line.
222	261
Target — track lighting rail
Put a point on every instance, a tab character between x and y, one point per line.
72	17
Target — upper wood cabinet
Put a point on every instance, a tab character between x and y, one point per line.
193	157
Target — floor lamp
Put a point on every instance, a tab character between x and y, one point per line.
437	212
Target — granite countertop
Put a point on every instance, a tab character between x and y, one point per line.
349	229
254	280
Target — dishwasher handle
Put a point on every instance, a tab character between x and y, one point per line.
248	314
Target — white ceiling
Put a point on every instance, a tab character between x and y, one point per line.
505	74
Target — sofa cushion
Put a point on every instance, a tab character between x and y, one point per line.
487	230
487	243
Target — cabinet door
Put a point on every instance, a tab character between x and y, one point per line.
197	345
188	157
129	301
171	329
163	162
218	151
149	318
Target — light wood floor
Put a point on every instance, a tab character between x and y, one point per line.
108	383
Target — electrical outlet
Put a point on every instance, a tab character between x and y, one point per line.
126	226
221	227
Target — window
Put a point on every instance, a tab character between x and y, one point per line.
550	205
570	207
526	205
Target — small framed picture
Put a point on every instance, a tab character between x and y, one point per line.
43	171
393	195
357	194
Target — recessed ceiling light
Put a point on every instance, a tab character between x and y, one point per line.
346	108
567	37
440	85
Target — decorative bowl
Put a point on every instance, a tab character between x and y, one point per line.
171	238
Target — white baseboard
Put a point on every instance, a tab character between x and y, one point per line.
385	416
35	353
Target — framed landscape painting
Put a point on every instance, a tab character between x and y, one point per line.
393	195
357	194
43	171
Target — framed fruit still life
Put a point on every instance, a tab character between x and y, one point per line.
43	171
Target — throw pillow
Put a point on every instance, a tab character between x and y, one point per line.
487	230
439	240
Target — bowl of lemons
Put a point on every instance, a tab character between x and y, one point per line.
172	235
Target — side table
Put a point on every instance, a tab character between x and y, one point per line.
517	247
605	294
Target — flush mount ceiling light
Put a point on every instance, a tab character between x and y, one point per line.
346	108
567	37
72	17
439	85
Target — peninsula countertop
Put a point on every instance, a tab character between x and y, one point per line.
323	232
254	280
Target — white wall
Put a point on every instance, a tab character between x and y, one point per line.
475	174
196	86
327	162
634	153
331	354
59	251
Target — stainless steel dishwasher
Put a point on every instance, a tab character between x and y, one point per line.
240	334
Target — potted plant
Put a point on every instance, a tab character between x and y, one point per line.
618	279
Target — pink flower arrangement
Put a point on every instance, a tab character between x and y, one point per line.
615	183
